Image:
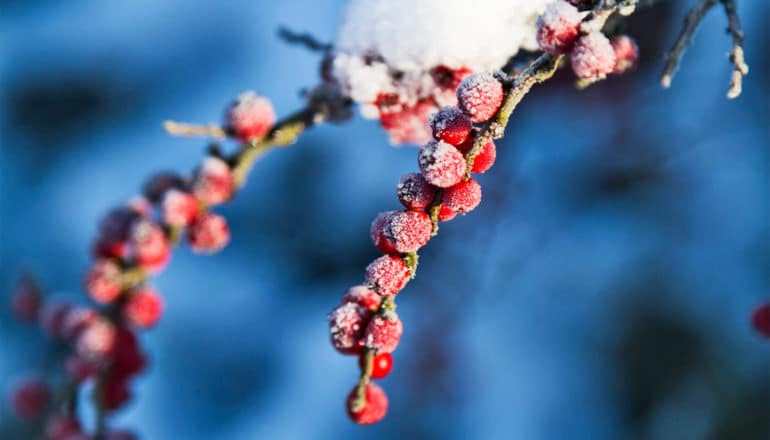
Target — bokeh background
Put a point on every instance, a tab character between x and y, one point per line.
601	291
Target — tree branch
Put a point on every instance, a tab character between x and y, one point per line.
740	68
691	22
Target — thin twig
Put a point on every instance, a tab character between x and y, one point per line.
691	22
185	129
740	68
303	39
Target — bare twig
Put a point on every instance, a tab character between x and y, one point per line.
184	129
691	22
740	68
303	39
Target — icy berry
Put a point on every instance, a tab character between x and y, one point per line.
760	319
374	407
127	359
414	192
451	125
346	327
479	96
114	393
159	184
408	125
626	53
384	332
179	208
79	369
486	157
387	275
52	317
61	426
209	233
463	197
96	341
381	365
250	117
445	214
441	164
149	246
363	296
395	232
26	300
30	397
143	308
593	56
103	281
214	183
558	27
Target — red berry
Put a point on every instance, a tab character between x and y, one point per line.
250	117
486	157
626	53
159	184
448	78
384	332
116	225
558	27
52	317
479	96
26	300
441	164
76	320
387	275
79	369
149	246
114	393
127	359
381	365
103	281
451	125
414	192
593	56
141	206
179	208
463	197
60	426
30	397
96	341
363	296
214	183
346	327
445	214
410	124
208	233
374	409
760	319
396	232
143	308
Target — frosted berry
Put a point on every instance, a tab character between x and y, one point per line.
387	275
30	397
159	184
52	317
149	246
479	96
384	332
96	341
114	232
214	183
593	56
441	164
374	408
76	320
410	124
103	282
363	296
209	233
115	393
250	117
26	300
445	214
451	125
127	359
626	53
414	192
140	205
448	78
381	365
558	27
61	426
463	197
400	232
143	308
346	327
179	208
760	319
79	369
486	157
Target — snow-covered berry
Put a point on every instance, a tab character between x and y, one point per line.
409	125
593	56
214	183
179	208
30	397
143	308
626	53
387	275
347	324
760	320
451	125
96	341
441	164
414	192
384	332
103	282
26	300
381	364
374	409
61	426
445	214
208	233
157	185
479	96
463	197
363	296
558	27
396	232
250	117
149	246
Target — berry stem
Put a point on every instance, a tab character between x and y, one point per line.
366	376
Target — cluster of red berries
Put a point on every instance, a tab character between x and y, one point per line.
365	323
560	31
133	242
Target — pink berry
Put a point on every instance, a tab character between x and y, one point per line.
52	317
760	319
409	125
159	184
463	197
593	56
395	232
103	281
387	275
626	53
451	125
209	233
479	96
558	27
30	397
381	364
346	327
149	246
445	214
26	300
441	164
143	308
179	208
486	157
250	117
363	296
214	183
79	369
414	192
384	332
96	341
374	409
60	426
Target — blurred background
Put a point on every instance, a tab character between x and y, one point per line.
601	291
